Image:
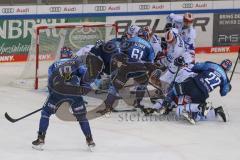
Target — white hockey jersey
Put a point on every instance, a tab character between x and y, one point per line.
189	36
175	50
176	20
155	41
84	50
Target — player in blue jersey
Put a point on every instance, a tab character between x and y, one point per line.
68	80
139	49
209	76
135	59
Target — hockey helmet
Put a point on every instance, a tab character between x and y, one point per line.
188	19
111	47
132	31
226	64
66	52
143	34
148	30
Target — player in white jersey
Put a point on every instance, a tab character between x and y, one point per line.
176	21
84	50
154	40
176	57
176	48
188	34
184	26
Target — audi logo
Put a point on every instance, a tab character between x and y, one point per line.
187	5
100	8
55	9
8	10
144	7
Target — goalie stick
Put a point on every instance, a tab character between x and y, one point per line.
238	57
13	120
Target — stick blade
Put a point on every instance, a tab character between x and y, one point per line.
10	119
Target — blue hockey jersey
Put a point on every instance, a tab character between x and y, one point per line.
140	49
68	68
210	76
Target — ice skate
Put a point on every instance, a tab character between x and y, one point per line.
90	143
220	112
148	111
39	142
188	117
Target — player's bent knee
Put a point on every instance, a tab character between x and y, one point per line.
45	114
79	112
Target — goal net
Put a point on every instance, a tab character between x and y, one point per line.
47	42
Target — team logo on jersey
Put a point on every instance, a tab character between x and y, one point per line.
80	37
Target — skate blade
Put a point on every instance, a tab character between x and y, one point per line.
91	148
162	110
39	147
189	119
206	111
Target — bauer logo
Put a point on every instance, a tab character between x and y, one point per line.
100	8
187	5
55	9
7	10
144	7
156	25
80	37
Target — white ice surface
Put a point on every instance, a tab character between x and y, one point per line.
115	139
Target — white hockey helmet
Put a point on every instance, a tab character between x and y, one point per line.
133	30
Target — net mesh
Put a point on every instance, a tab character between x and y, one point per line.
51	39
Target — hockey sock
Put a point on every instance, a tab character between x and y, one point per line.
84	124
44	122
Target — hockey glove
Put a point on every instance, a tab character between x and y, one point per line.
179	61
99	43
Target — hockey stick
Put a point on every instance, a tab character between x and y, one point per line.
151	98
175	76
238	57
123	110
13	120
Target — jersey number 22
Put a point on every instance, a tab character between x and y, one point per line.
213	80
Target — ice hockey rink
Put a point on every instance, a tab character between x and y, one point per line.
116	138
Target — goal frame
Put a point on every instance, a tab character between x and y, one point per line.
39	28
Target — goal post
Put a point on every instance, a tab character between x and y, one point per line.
47	41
